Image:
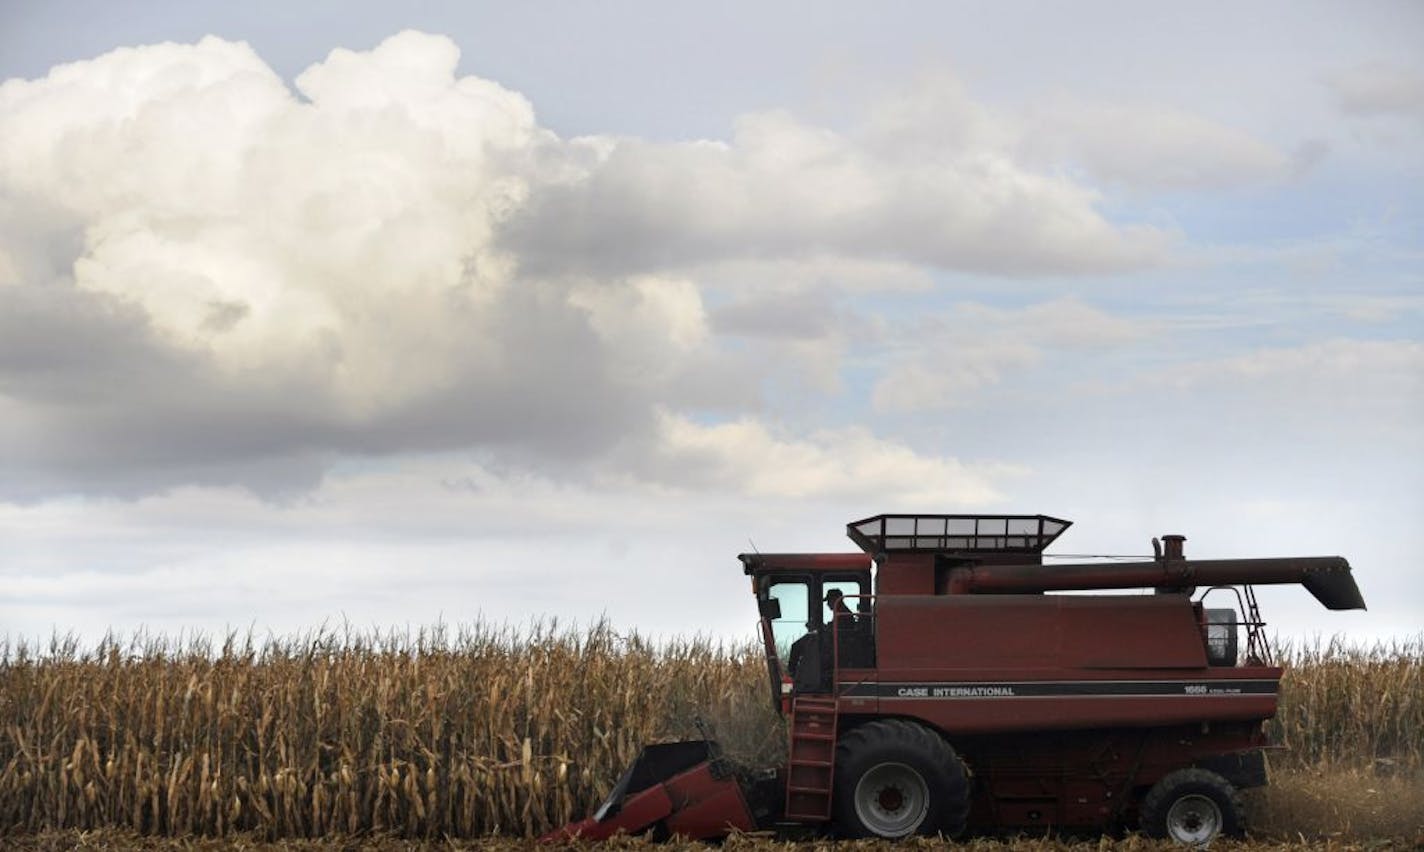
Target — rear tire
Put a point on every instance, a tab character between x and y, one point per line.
1192	806
895	778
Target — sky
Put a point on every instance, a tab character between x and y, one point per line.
350	314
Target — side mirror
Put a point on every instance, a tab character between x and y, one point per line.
769	608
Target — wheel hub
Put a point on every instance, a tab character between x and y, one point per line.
1194	819
891	800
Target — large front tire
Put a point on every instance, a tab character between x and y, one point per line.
1192	806
895	779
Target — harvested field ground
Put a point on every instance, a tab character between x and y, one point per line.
423	738
1354	805
117	840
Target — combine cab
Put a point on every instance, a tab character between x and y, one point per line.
932	686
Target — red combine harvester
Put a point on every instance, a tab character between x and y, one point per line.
931	686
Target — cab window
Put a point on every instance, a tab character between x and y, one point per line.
845	587
794	596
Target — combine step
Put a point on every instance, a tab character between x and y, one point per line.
812	766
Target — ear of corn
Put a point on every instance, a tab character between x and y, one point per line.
488	730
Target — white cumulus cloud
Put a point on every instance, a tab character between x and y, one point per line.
208	276
745	455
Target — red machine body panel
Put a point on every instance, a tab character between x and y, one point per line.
705	805
698	803
1093	777
957	706
810	562
910	577
1037	631
949	661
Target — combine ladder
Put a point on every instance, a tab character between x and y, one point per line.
813	758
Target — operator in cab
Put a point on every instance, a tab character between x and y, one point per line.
840	613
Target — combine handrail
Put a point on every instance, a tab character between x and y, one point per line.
1258	645
836	643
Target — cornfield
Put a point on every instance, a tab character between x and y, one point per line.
484	731
1347	706
487	731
